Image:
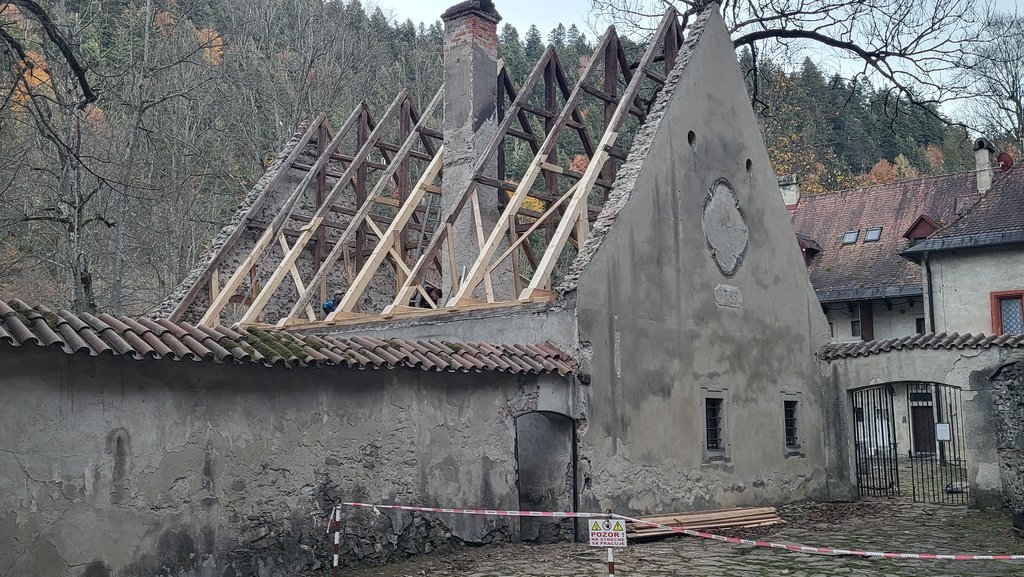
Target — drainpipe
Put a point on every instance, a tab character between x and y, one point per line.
931	301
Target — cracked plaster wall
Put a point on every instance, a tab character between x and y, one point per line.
659	319
137	468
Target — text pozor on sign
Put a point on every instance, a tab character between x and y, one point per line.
607	533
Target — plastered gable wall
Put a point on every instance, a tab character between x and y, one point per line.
129	466
657	333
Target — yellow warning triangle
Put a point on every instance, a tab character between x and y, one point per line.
618	526
596	527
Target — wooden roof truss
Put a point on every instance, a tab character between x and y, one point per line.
545	113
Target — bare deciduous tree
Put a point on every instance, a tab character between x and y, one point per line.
996	75
917	48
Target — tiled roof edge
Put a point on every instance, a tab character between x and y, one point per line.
22	325
929	341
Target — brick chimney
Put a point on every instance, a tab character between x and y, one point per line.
983	151
789	186
470	122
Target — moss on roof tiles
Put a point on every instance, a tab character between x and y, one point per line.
270	344
21	312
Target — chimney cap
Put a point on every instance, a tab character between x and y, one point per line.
482	8
789	180
984	143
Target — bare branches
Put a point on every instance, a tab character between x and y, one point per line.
32	9
996	78
917	48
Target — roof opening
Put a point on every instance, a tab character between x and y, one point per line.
850	236
873	234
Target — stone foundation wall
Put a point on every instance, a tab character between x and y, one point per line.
111	466
1008	404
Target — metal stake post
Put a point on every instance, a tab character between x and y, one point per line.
611	562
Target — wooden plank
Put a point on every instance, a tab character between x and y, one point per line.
542	275
364	210
236	279
310	314
478	270
279	273
488	288
257	205
536	224
365	274
454	210
517	278
214	283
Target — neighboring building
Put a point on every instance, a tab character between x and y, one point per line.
852	240
870	252
973	268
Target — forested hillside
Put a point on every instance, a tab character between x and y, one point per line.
106	206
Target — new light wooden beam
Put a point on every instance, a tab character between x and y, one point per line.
340	247
365	274
212	315
479	269
321	214
572	217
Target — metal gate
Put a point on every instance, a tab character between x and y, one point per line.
936	458
874	438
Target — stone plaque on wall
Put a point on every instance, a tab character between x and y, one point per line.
725	231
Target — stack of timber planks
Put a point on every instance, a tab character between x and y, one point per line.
735	518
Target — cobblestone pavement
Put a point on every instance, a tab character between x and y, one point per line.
884	525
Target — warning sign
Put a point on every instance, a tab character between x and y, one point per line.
607	533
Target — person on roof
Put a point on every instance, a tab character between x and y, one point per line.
433	292
332	303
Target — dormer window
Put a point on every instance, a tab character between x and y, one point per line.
922	228
873	234
850	236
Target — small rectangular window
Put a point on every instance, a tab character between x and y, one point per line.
832	329
1011	315
919	325
873	234
789	410
850	236
854	328
713	422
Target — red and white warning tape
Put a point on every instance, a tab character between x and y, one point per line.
336	515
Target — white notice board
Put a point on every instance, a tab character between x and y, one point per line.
607	533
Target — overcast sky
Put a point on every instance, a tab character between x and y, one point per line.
546	14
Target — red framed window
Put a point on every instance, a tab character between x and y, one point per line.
1008	312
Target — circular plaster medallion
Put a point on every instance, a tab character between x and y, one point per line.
725	231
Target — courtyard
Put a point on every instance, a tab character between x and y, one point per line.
895	525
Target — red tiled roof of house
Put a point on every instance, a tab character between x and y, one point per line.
142	338
1001	209
843	271
926	341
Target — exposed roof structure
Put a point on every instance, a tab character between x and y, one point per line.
359	209
21	325
925	341
866	269
996	218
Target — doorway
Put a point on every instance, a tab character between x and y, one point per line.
546	466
